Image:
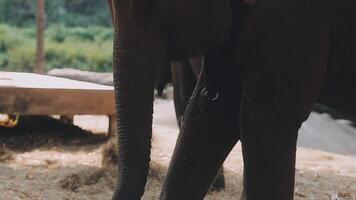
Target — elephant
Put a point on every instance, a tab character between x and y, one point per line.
164	77
184	74
265	63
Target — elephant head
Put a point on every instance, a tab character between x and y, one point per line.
149	34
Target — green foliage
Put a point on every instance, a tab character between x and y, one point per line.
18	12
67	12
86	48
80	55
78	34
21	58
9	38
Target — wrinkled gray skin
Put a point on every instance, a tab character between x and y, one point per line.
265	64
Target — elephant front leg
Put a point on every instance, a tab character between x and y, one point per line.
272	112
269	136
287	54
184	76
271	115
208	133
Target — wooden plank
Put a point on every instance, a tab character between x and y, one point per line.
29	80
33	94
103	78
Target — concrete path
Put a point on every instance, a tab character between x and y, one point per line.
323	132
320	131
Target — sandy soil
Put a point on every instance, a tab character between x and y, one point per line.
69	166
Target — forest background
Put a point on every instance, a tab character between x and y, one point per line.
78	34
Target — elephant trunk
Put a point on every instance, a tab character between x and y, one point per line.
134	86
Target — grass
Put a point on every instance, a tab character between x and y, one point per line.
85	48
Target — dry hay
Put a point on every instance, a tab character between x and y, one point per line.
40	152
65	170
108	173
318	174
85	178
6	154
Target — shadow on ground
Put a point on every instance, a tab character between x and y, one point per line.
42	132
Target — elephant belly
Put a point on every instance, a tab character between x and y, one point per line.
339	90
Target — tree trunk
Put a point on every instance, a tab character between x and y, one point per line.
41	21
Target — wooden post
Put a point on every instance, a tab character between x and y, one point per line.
41	23
112	126
67	119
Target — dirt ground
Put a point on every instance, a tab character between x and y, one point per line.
39	162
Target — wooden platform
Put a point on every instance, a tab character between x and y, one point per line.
34	94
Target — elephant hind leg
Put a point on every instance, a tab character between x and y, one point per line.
184	82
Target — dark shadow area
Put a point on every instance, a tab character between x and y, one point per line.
43	132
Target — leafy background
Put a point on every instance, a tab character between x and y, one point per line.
78	35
